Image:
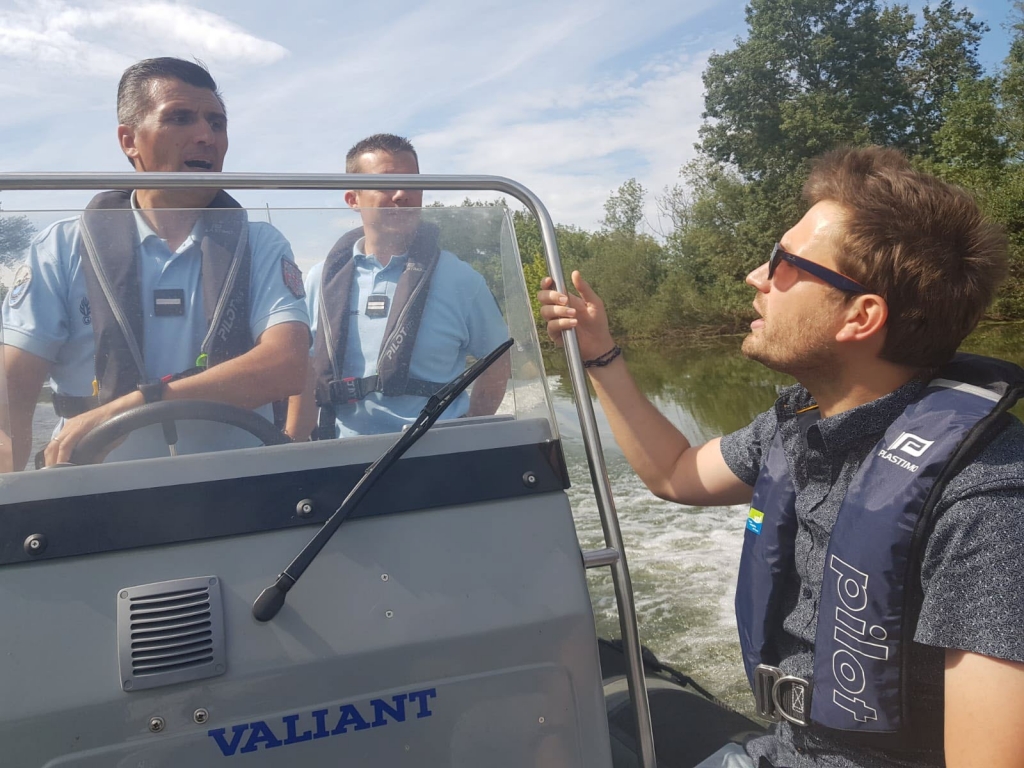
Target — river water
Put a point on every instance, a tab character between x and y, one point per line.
683	560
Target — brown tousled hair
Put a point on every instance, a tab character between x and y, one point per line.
917	241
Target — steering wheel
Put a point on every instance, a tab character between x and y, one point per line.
166	412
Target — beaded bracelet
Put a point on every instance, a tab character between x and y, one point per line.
603	360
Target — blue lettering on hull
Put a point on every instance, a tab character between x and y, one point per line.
347	718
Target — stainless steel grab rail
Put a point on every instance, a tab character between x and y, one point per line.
599	558
577	376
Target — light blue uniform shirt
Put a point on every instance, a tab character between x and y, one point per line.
53	319
460	318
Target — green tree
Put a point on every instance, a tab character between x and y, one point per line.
969	142
816	74
16	233
811	74
1011	86
624	209
727	228
942	56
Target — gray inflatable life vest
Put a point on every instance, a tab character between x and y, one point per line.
395	357
110	245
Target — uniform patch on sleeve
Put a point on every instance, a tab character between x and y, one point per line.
22	281
292	276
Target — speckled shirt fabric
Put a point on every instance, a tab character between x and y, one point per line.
972	571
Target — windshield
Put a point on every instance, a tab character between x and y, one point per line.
136	338
6	457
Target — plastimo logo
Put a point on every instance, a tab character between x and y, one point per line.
911	444
907	443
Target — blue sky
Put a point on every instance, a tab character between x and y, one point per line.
570	98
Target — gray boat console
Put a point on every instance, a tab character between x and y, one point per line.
446	623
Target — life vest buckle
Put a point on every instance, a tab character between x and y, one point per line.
778	696
347	390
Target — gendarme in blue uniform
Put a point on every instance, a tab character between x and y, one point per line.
51	318
460	318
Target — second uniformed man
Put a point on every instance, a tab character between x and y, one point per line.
393	315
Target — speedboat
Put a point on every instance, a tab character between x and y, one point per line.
445	619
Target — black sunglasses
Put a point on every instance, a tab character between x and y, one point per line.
833	278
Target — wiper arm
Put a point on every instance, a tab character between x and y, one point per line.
272	598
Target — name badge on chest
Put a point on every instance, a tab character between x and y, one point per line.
168	302
377	305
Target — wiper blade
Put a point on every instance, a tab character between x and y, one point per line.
272	598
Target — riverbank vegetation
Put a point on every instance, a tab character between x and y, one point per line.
809	76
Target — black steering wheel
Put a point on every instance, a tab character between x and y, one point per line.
166	412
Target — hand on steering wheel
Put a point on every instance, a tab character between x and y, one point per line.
93	446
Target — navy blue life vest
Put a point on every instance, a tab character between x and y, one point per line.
871	589
110	245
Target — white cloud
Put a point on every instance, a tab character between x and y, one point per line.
538	92
642	125
101	39
570	97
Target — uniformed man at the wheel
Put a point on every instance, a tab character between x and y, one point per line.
156	294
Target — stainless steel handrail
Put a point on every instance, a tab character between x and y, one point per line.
577	376
600	558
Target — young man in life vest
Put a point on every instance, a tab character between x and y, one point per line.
157	295
879	601
393	316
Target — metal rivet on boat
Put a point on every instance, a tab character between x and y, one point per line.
529	479
304	508
384	577
213	581
389	614
124	594
156	724
200	716
127	685
35	544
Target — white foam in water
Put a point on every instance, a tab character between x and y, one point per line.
682	561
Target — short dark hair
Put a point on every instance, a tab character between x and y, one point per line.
919	242
133	92
379	142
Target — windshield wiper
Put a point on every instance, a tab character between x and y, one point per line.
272	598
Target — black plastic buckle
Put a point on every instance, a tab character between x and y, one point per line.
780	697
347	390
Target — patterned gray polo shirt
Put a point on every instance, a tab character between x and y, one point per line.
972	571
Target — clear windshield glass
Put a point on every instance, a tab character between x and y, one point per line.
140	339
6	448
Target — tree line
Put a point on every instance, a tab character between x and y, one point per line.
809	76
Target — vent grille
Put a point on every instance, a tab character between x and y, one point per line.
170	632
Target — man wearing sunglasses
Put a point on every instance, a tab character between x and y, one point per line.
878	600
